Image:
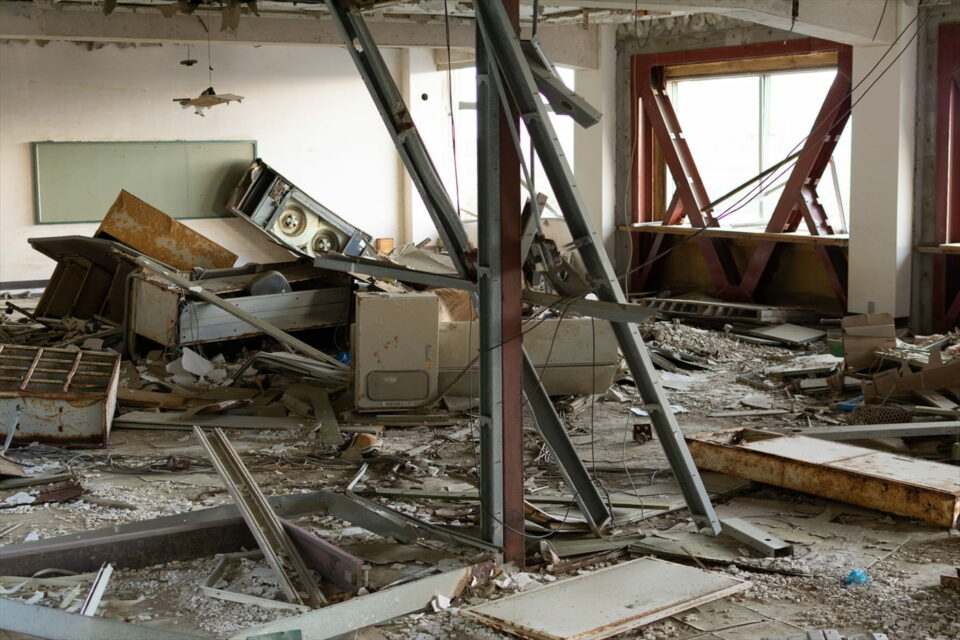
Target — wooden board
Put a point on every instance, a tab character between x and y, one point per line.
607	602
888	482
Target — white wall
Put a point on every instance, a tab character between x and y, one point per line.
306	106
881	177
595	153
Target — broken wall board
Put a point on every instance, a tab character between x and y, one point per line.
54	624
909	487
791	334
153	233
899	382
337	619
606	602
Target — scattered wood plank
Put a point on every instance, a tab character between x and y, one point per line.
140	398
892	483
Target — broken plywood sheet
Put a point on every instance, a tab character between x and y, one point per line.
788	333
896	484
606	602
153	233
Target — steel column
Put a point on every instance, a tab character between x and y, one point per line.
501	426
946	282
395	115
502	42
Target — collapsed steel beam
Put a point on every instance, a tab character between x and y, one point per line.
505	47
299	586
389	102
376	269
393	109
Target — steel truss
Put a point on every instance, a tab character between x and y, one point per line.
799	201
502	66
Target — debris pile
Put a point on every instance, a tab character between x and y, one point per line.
291	448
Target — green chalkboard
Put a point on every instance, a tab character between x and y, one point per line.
78	181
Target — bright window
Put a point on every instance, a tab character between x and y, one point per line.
465	118
736	126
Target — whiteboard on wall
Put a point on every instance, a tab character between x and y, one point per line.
78	181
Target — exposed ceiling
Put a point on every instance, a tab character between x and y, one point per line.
551	12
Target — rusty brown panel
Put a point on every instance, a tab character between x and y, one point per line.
720	451
153	233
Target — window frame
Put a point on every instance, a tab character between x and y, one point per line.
648	173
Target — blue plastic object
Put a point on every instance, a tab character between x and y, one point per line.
344	357
851	404
856	578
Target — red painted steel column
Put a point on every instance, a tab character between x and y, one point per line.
946	290
510	317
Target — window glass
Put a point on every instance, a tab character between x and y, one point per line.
465	108
738	126
720	119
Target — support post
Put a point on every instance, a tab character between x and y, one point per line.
503	44
389	102
499	234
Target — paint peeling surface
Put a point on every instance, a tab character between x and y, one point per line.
152	232
58	395
606	602
888	482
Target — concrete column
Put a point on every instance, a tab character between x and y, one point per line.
881	189
594	154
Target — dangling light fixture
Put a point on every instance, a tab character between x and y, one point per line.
208	97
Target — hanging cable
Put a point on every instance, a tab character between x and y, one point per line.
453	122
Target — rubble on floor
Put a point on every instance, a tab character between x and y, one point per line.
342	493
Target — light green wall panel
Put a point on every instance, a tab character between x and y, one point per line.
78	181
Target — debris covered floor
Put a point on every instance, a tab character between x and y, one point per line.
152	473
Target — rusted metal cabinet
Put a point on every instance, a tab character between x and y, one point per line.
61	396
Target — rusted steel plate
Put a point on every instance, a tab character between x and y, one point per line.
607	602
896	484
152	232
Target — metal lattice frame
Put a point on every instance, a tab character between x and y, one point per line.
799	201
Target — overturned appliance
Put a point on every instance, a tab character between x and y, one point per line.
395	350
291	217
58	395
291	296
